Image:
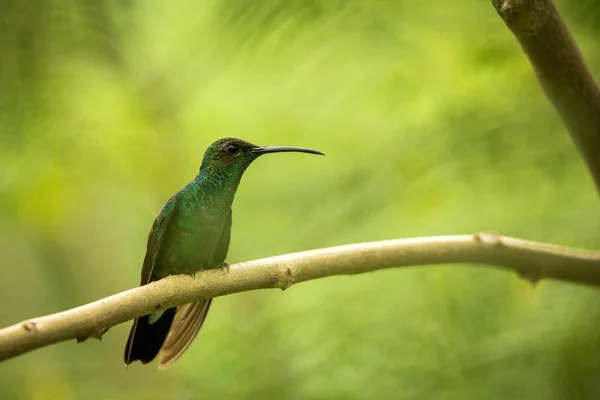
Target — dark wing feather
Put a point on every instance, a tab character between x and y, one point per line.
190	317
156	237
147	343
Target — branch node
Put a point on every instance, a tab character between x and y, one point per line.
533	276
283	279
525	17
96	334
29	326
489	238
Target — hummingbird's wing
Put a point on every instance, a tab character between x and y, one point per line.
156	237
190	317
145	339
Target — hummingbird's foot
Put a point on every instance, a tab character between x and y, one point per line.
225	266
191	274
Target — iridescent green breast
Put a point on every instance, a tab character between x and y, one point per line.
194	232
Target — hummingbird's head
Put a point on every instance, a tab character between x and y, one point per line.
231	156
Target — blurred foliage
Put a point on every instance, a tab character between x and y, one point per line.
432	122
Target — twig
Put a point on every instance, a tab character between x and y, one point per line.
531	260
561	70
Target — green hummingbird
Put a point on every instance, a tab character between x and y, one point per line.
191	234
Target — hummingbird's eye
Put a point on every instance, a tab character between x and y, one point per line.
232	149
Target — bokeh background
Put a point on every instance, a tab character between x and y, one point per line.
432	122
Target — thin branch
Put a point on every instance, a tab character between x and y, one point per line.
531	260
561	70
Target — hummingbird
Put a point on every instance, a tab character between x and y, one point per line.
192	233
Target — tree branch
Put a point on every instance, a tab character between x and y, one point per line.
561	70
531	260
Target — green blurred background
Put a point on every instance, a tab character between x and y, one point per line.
432	122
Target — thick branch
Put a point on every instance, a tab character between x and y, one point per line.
531	260
561	70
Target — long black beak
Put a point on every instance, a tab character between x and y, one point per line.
280	149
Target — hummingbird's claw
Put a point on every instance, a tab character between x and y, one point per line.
225	266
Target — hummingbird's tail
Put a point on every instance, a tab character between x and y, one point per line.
147	336
186	324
